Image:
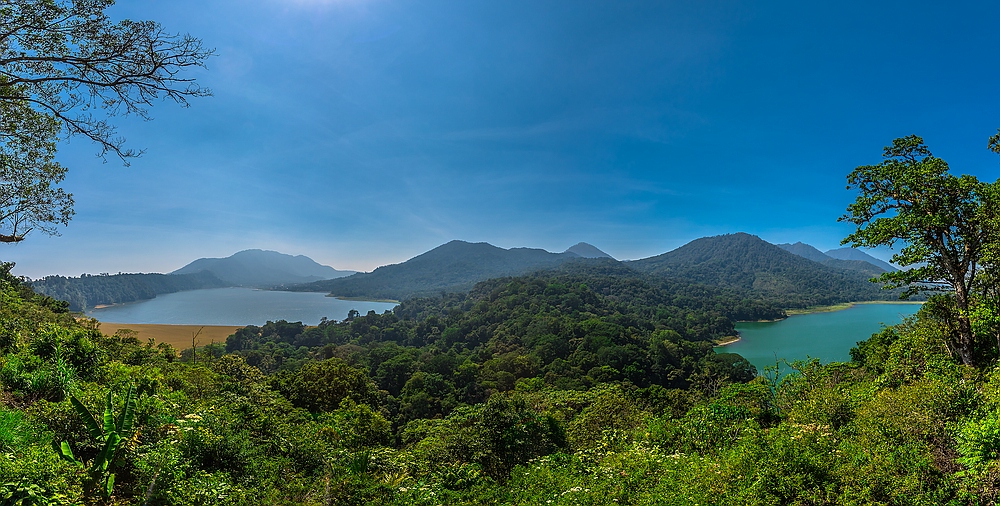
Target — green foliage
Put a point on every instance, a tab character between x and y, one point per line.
29	196
569	387
322	386
945	223
978	441
28	494
110	434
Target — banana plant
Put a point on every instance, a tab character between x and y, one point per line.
109	435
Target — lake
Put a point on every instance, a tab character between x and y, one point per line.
826	336
235	306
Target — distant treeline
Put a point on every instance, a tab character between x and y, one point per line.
89	290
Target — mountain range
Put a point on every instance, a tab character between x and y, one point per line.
741	262
787	275
843	258
263	269
453	267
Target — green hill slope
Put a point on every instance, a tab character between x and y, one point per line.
747	263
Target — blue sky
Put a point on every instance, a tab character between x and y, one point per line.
362	133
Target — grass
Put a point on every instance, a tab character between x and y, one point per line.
178	336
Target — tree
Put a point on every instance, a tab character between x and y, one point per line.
946	225
29	198
62	61
66	58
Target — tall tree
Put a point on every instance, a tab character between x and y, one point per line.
66	69
945	223
29	197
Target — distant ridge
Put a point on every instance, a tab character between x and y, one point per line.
866	266
263	269
805	251
856	254
742	262
453	267
584	250
748	263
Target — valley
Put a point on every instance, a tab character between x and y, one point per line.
366	253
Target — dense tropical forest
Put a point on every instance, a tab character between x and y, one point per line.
574	388
585	384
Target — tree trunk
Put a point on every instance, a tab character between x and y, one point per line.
965	338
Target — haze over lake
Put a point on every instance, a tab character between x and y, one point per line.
826	336
235	306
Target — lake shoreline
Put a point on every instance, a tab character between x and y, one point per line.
846	305
362	299
726	341
828	336
235	306
830	309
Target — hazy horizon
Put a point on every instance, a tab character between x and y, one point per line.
883	255
363	133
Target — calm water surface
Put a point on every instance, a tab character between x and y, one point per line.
235	306
826	336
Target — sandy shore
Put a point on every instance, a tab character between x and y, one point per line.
728	340
846	305
178	336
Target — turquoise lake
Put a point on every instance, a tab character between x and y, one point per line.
235	306
826	336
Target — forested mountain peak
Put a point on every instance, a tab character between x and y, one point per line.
746	262
585	250
452	267
263	268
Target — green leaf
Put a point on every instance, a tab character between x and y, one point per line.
109	416
110	485
65	452
128	413
88	418
107	455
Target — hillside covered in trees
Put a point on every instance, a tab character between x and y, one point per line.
739	263
452	267
89	290
760	269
